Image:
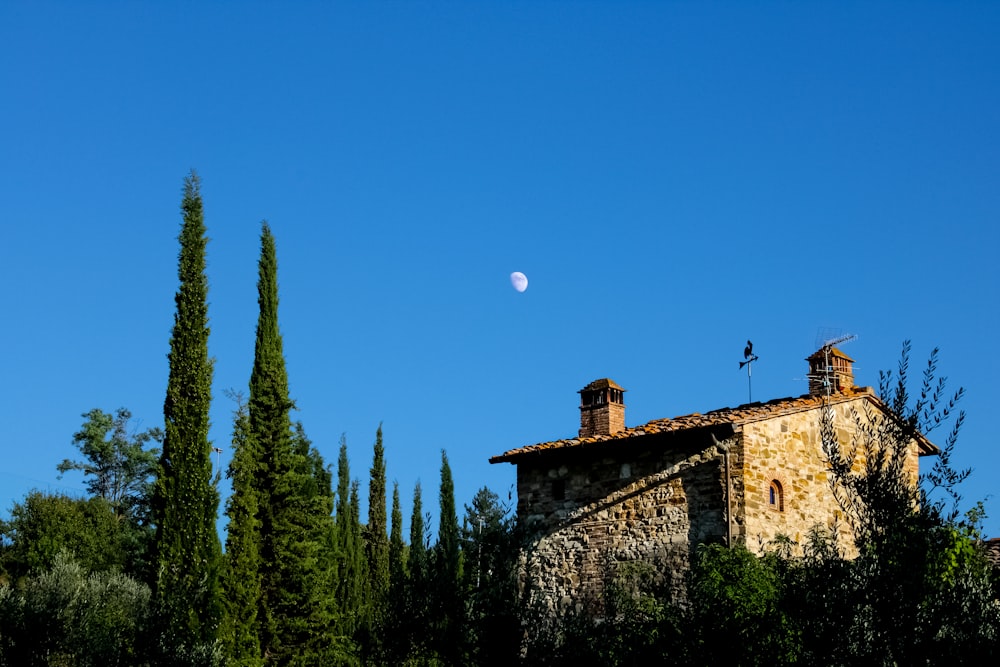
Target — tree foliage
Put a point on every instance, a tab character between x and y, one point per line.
350	562
185	497
44	525
241	582
448	613
490	548
376	553
116	465
65	616
294	500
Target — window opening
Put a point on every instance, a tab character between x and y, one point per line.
776	496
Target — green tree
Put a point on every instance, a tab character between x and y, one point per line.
350	563
416	561
117	467
397	647
397	548
315	502
270	433
376	552
490	546
919	589
241	582
415	619
294	623
185	496
65	616
737	611
44	524
448	614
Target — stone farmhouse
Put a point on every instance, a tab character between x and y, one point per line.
651	493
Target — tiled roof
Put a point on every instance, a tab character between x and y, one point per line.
743	414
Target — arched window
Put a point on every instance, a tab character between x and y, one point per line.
776	496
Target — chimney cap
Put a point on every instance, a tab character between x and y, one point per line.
603	383
834	352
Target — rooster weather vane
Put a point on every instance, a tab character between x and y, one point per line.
748	358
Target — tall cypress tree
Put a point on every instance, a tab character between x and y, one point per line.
397	645
417	560
270	433
376	544
448	551
376	539
350	554
360	563
448	572
185	497
293	623
397	549
241	574
314	508
416	618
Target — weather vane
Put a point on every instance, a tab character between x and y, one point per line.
748	358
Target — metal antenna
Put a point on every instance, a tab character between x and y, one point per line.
827	369
748	358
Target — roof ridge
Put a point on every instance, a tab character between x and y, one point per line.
741	414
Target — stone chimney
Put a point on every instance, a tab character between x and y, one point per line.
830	372
602	408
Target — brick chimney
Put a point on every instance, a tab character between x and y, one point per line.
830	371
602	408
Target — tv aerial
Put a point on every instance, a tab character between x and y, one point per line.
748	358
830	340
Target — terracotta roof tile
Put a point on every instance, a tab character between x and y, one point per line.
743	414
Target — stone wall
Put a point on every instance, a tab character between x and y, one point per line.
788	450
646	500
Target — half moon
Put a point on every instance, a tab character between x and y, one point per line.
519	281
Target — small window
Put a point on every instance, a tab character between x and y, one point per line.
776	496
559	489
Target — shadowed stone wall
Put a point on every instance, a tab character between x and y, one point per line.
645	500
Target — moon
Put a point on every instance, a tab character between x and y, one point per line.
519	281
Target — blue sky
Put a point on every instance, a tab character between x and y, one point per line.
673	177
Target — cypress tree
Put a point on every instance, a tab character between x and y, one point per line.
293	623
316	503
377	542
185	497
358	564
416	620
350	558
241	563
241	579
449	556
270	432
448	572
397	549
417	560
397	645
